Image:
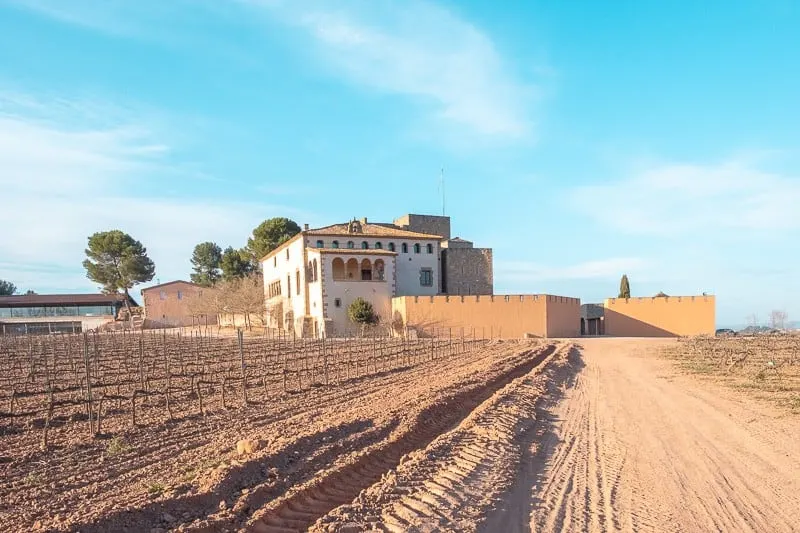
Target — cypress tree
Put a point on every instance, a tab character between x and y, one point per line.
624	287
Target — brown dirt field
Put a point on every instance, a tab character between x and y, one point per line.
585	435
635	445
186	475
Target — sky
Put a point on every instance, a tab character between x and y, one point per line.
579	140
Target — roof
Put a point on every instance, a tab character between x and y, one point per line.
352	251
368	230
365	229
62	299
169	283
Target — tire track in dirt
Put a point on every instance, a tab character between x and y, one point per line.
628	450
298	511
452	483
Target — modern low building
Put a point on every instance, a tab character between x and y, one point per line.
58	313
311	279
592	319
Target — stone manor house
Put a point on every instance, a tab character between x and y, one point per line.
310	280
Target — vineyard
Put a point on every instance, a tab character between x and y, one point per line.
768	365
109	381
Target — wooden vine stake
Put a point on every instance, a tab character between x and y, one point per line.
89	409
240	335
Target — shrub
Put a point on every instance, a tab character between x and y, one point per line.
361	312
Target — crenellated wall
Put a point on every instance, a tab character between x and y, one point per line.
671	316
499	316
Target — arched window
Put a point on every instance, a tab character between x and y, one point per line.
288	285
364	245
404	248
287	254
378	270
351	244
338	268
351	269
366	270
391	247
416	248
297	280
430	248
378	245
309	272
314	270
335	244
320	244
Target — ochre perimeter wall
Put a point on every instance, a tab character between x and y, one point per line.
499	316
672	316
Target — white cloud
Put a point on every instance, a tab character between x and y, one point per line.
680	199
449	68
419	50
600	269
64	177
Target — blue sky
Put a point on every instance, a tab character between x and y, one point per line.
580	140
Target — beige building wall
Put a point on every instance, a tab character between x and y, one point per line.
169	304
506	316
671	316
377	292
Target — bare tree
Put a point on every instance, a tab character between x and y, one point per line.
778	319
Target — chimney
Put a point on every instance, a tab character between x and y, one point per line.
305	227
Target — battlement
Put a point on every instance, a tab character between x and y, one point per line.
660	316
506	316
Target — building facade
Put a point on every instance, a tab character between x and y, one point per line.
310	280
169	305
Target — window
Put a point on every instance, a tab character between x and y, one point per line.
364	245
289	286
180	295
430	248
378	270
337	302
320	244
314	270
378	246
162	295
275	261
287	254
426	277
366	270
297	282
404	248
335	244
391	247
416	248
351	244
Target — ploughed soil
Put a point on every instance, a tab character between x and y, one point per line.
585	435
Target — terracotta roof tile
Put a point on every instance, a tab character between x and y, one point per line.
370	230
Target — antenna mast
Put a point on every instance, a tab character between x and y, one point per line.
443	196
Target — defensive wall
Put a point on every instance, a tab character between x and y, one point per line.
671	316
499	316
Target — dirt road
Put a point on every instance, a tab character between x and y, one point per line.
634	446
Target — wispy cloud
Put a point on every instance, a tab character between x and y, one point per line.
419	50
449	69
65	177
600	269
678	199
